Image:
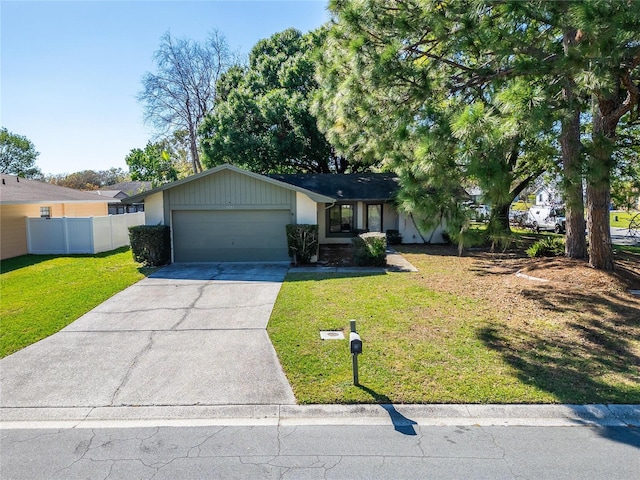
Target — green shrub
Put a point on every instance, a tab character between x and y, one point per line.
370	249
468	237
302	242
547	247
394	237
151	244
502	240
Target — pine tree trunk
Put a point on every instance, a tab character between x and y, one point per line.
499	220
598	226
599	187
576	243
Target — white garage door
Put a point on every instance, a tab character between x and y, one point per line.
230	235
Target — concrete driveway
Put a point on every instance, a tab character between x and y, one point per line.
190	334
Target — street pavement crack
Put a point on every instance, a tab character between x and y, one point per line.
503	457
133	365
81	449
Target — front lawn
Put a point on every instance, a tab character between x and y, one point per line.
622	219
42	294
465	330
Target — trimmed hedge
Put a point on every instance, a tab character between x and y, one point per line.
302	242
370	249
394	237
151	244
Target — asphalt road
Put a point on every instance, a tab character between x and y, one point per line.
322	452
623	236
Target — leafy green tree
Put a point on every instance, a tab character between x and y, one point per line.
262	119
112	176
182	91
88	179
152	164
84	180
18	155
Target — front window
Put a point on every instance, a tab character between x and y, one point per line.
341	219
45	212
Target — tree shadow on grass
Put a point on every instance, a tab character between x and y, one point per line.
298	276
586	362
401	423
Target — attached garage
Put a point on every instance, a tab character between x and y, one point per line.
230	235
226	214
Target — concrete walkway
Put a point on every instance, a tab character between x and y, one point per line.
190	334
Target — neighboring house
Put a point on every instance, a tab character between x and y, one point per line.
548	195
116	207
130	188
230	214
475	194
21	198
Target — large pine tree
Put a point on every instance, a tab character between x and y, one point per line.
388	64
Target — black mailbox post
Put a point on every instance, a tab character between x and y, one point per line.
355	343
355	346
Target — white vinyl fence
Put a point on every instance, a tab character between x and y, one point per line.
80	235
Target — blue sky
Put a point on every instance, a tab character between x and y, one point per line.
71	70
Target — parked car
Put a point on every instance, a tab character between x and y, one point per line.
481	213
518	218
547	218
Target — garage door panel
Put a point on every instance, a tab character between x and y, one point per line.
231	236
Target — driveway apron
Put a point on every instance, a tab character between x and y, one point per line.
190	334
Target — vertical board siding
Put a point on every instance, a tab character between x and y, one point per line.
230	188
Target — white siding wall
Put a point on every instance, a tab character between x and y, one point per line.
306	210
410	233
154	209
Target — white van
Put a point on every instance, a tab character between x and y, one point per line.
547	218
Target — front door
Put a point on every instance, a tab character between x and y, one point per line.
374	217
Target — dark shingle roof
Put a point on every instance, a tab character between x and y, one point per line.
352	187
130	188
15	190
117	194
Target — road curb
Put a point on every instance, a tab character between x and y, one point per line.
272	415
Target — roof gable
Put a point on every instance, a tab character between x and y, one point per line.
16	190
226	167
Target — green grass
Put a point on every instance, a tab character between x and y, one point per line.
627	248
623	218
41	294
521	206
419	345
454	333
